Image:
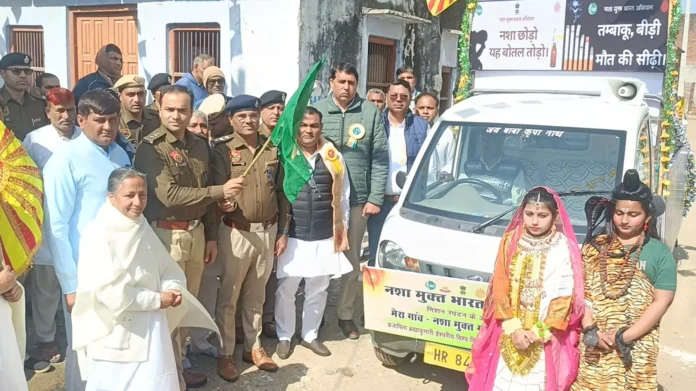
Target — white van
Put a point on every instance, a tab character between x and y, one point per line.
576	135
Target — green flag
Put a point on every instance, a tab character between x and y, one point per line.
284	136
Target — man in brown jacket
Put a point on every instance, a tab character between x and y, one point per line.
181	199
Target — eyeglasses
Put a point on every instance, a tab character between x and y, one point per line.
398	96
217	81
18	71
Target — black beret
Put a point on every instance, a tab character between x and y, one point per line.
272	97
159	80
15	59
241	103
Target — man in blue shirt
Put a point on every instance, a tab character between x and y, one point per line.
194	81
75	180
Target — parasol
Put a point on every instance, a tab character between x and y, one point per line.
21	203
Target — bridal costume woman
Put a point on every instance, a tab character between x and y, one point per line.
630	281
534	305
130	296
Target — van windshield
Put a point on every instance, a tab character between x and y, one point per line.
476	171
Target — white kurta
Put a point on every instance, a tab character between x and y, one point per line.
11	361
157	373
316	258
558	282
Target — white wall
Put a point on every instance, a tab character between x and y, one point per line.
259	39
54	21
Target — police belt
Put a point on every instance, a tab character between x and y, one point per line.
180	225
249	227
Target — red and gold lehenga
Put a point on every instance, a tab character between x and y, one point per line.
537	285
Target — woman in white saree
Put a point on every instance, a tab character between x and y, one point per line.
126	281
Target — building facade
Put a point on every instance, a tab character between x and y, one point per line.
258	44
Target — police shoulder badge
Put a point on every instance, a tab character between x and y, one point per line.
126	132
235	156
356	132
176	156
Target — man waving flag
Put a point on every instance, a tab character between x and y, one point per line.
284	136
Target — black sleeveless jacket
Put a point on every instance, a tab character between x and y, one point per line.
312	214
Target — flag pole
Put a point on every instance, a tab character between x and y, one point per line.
256	158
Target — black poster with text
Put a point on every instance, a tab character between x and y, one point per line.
615	35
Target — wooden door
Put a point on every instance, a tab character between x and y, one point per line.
93	28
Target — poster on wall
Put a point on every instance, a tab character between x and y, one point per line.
520	35
570	35
616	35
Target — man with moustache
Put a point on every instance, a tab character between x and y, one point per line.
23	112
41	144
45	82
136	122
181	200
252	222
272	106
74	188
356	129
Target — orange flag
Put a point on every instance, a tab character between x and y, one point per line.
437	6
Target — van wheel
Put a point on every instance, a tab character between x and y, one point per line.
388	359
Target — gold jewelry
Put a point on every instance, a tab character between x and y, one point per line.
537	204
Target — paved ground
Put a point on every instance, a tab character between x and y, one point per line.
353	365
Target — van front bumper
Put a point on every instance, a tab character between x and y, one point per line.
397	345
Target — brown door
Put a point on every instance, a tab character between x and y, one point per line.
92	28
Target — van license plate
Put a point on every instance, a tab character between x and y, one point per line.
446	356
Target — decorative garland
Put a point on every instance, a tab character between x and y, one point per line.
673	136
464	86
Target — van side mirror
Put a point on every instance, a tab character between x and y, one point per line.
400	179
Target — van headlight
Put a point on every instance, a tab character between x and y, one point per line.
391	256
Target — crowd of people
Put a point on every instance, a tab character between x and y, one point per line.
168	221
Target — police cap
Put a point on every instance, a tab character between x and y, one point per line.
127	81
242	103
272	97
14	60
158	81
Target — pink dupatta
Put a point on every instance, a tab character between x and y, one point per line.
561	352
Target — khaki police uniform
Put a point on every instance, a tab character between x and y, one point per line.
135	130
247	235
181	206
130	127
265	130
23	117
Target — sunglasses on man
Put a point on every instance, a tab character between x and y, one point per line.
18	71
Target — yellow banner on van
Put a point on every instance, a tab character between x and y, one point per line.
443	310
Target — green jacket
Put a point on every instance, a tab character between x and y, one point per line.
367	156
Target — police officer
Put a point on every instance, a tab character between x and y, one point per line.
272	106
181	199
23	112
156	83
136	122
218	124
251	223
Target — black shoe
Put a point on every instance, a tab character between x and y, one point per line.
284	349
269	330
38	366
317	347
349	329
